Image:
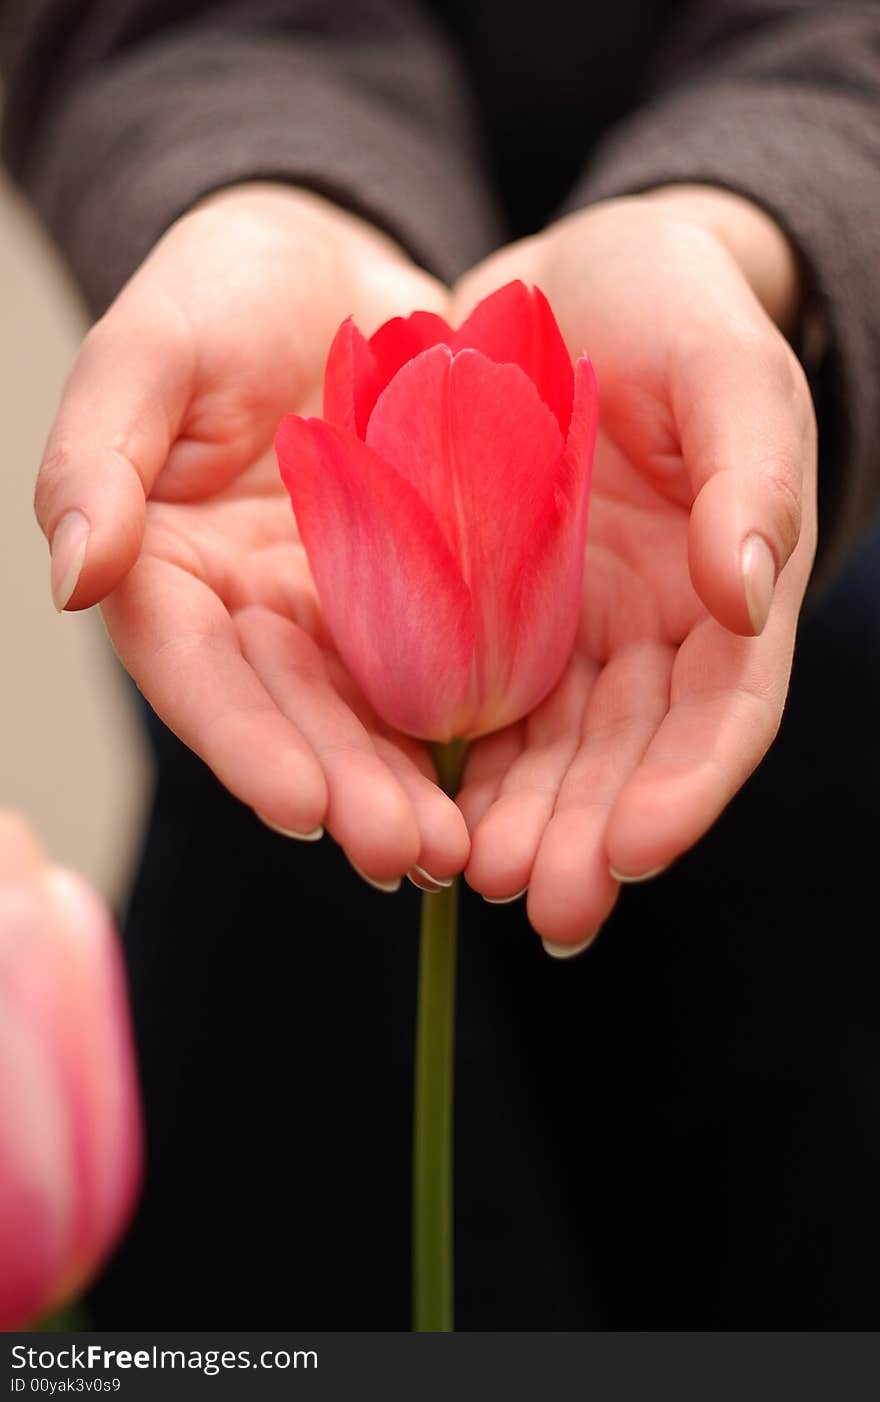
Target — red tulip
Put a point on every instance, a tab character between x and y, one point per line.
442	503
70	1129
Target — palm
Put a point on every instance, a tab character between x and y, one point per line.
637	583
225	581
663	712
218	621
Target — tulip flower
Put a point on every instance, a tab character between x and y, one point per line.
70	1129
442	503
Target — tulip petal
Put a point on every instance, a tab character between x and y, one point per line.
350	378
94	1050
581	441
516	326
551	587
36	1185
63	988
393	594
358	370
403	338
485	454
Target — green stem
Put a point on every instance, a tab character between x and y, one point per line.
433	1260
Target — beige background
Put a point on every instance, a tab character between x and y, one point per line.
71	756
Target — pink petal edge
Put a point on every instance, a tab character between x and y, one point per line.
396	604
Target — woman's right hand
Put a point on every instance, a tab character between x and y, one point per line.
161	499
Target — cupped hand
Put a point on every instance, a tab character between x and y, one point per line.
160	496
701	541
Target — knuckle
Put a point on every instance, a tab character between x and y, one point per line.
54	473
781	363
779	478
795	390
769	357
785	374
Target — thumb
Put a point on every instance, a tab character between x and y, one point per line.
521	260
120	411
748	439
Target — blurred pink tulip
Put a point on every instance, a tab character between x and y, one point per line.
70	1124
442	502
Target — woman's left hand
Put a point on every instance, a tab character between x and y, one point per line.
701	540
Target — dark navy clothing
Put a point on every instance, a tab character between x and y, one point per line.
680	1130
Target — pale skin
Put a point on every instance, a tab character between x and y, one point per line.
707	442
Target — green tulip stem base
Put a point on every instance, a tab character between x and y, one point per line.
435	1062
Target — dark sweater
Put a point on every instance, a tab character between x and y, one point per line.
455	124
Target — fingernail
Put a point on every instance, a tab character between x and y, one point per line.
759	579
70	540
566	951
426	882
314	836
389	886
633	878
505	900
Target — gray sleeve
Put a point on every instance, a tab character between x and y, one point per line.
780	102
120	114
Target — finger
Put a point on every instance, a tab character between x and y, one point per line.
747	434
445	842
120	410
368	811
518	260
726	702
179	644
572	891
488	761
507	836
